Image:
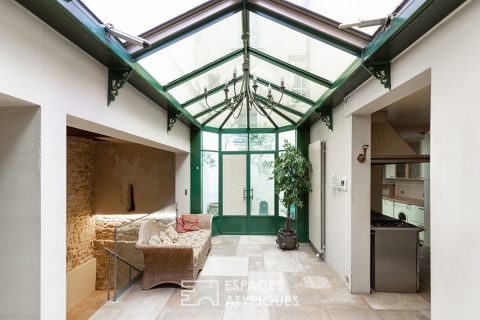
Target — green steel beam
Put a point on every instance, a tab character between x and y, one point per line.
289	93
205	68
281	106
216	114
209	92
195	171
291	68
94	29
187	31
342	79
408	13
305	29
280	114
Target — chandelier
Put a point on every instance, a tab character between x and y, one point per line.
246	97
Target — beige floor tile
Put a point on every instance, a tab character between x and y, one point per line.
246	312
249	277
309	312
397	301
226	266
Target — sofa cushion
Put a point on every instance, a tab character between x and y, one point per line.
172	234
196	239
180	227
154	240
190	222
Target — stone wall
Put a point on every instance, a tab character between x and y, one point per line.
126	239
80	201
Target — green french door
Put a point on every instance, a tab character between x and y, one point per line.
248	197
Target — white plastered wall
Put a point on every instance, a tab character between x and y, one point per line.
41	67
446	58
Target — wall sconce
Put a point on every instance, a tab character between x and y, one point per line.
363	157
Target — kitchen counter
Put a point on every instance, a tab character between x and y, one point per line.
416	202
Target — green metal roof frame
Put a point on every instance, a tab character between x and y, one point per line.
77	23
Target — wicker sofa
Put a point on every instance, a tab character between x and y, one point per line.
176	262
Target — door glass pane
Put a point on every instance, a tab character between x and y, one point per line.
234	185
210	182
282	210
262	196
209	141
288	136
262	141
234	142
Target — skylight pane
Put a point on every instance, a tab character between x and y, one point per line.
293	82
238	119
210	79
347	11
217	122
139	16
195	51
302	51
257	120
281	122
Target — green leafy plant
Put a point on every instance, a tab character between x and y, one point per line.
292	177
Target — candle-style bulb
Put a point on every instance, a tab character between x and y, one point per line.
282	82
226	84
205	90
234	72
269	89
254	77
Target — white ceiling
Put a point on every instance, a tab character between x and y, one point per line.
412	110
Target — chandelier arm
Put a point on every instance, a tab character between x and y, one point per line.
264	104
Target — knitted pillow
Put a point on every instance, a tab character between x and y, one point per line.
165	239
190	222
172	234
180	227
154	240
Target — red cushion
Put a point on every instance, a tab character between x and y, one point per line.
180	226
190	222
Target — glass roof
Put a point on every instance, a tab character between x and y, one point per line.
348	11
139	16
207	56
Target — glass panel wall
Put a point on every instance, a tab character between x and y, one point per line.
262	199
210	171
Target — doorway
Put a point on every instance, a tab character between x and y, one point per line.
248	204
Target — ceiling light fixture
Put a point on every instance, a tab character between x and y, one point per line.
110	29
245	96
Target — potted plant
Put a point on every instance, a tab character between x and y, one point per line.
292	177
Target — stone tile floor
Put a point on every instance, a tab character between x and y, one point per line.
248	277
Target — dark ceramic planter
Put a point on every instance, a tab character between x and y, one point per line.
287	240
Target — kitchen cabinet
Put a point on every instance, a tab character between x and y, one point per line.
387	207
415	171
401	171
389	171
418	215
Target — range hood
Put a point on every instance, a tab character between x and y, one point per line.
388	146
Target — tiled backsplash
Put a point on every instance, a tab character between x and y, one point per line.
409	188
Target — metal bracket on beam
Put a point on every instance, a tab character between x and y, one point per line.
381	71
326	116
172	119
117	77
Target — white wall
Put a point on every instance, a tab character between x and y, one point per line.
20	212
182	182
70	87
446	57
